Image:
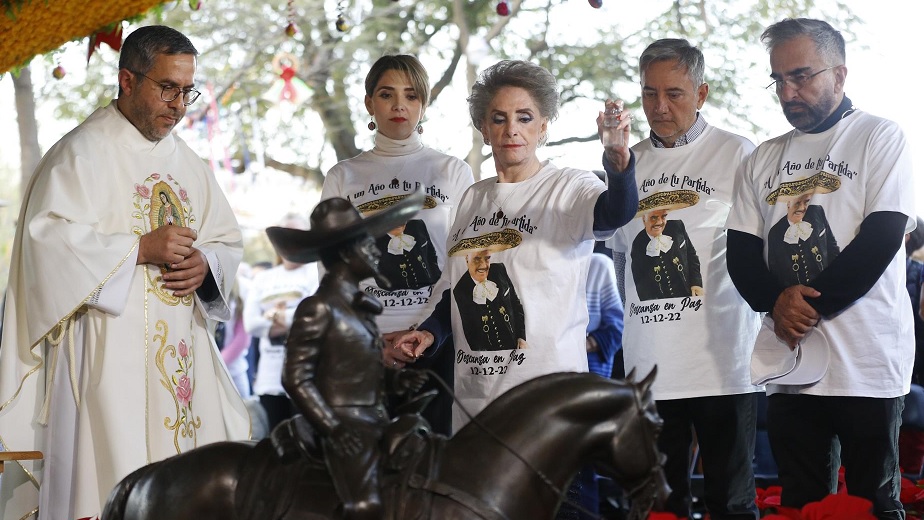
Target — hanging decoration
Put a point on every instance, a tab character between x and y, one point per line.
31	27
195	4
289	88
59	72
111	36
341	23
596	4
503	8
291	28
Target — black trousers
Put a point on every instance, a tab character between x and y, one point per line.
725	427
805	431
278	408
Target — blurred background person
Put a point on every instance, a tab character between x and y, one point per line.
604	340
268	311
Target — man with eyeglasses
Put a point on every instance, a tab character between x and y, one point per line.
106	362
856	303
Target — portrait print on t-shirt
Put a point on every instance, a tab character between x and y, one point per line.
491	313
664	260
408	257
801	244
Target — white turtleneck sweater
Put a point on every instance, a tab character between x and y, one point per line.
399	167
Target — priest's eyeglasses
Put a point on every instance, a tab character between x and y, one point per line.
796	81
169	93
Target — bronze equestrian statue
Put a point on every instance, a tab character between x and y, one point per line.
344	458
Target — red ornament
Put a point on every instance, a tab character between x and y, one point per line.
58	72
596	4
291	30
112	37
502	8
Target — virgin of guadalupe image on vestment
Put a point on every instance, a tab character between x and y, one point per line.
801	244
490	310
165	207
664	261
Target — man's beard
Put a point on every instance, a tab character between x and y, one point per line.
811	115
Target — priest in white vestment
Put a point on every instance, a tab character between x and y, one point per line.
125	245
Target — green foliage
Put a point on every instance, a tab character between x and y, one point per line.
238	40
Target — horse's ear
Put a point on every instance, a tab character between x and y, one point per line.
630	377
645	384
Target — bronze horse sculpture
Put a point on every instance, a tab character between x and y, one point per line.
513	461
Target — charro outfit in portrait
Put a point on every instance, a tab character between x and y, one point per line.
798	253
491	313
666	266
102	369
409	259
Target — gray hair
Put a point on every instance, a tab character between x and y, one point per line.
145	44
534	79
828	41
675	49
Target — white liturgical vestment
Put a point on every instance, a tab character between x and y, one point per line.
102	369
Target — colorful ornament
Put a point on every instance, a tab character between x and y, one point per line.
596	4
195	4
289	88
341	23
291	28
58	72
111	36
503	8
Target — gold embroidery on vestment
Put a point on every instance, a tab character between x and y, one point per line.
179	383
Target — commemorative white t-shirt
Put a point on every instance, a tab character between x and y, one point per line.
702	343
372	179
539	236
860	166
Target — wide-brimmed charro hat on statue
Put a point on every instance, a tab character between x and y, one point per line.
335	221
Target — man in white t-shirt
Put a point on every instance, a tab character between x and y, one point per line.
856	306
682	311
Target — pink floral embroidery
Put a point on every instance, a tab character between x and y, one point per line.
184	390
182	349
183	195
142	190
155	176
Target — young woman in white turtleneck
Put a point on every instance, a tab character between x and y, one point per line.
397	93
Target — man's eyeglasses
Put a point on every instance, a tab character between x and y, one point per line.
796	81
169	93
